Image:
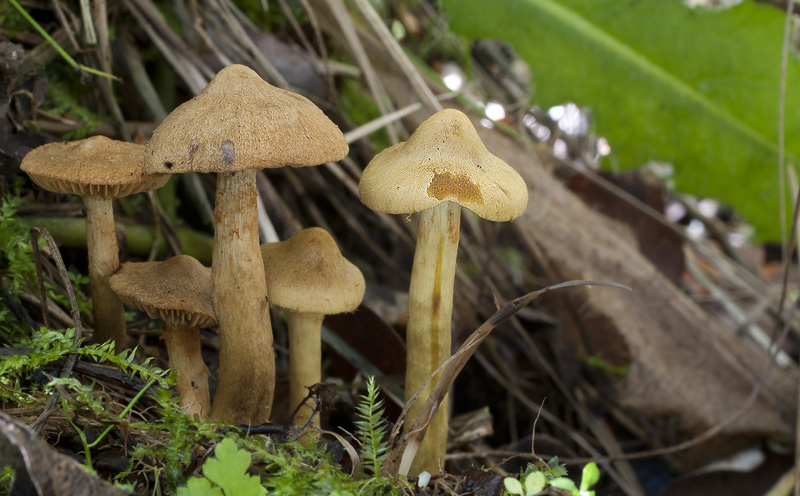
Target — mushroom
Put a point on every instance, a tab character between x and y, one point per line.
98	170
240	123
443	166
177	291
308	276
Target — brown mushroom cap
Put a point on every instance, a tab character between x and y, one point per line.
307	273
177	290
239	122
95	166
443	160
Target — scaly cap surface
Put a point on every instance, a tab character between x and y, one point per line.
239	122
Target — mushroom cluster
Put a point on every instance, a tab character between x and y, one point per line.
237	125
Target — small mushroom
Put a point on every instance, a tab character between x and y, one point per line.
238	124
98	170
308	276
443	166
177	291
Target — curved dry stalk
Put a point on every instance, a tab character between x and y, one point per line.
403	450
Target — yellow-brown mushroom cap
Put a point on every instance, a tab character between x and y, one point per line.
177	290
443	160
238	122
307	273
95	166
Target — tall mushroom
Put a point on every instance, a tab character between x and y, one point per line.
309	277
98	170
177	291
238	124
443	166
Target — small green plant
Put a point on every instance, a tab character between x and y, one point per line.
589	477
285	468
226	474
535	479
532	484
6	478
371	429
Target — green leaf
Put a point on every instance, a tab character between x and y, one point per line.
199	487
513	486
229	471
564	483
665	82
590	476
534	483
555	469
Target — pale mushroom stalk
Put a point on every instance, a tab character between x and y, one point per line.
240	298
183	347
305	360
430	296
101	244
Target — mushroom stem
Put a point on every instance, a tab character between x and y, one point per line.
305	361
428	333
101	243
185	357
246	360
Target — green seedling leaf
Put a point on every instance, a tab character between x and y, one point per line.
534	483
513	486
590	476
694	87
229	471
565	484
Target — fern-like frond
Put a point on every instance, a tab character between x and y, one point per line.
371	428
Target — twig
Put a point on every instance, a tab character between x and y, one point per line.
398	55
64	24
787	33
350	34
787	262
73	303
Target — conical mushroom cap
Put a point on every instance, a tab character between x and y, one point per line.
95	166
307	273
239	122
443	160
177	290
